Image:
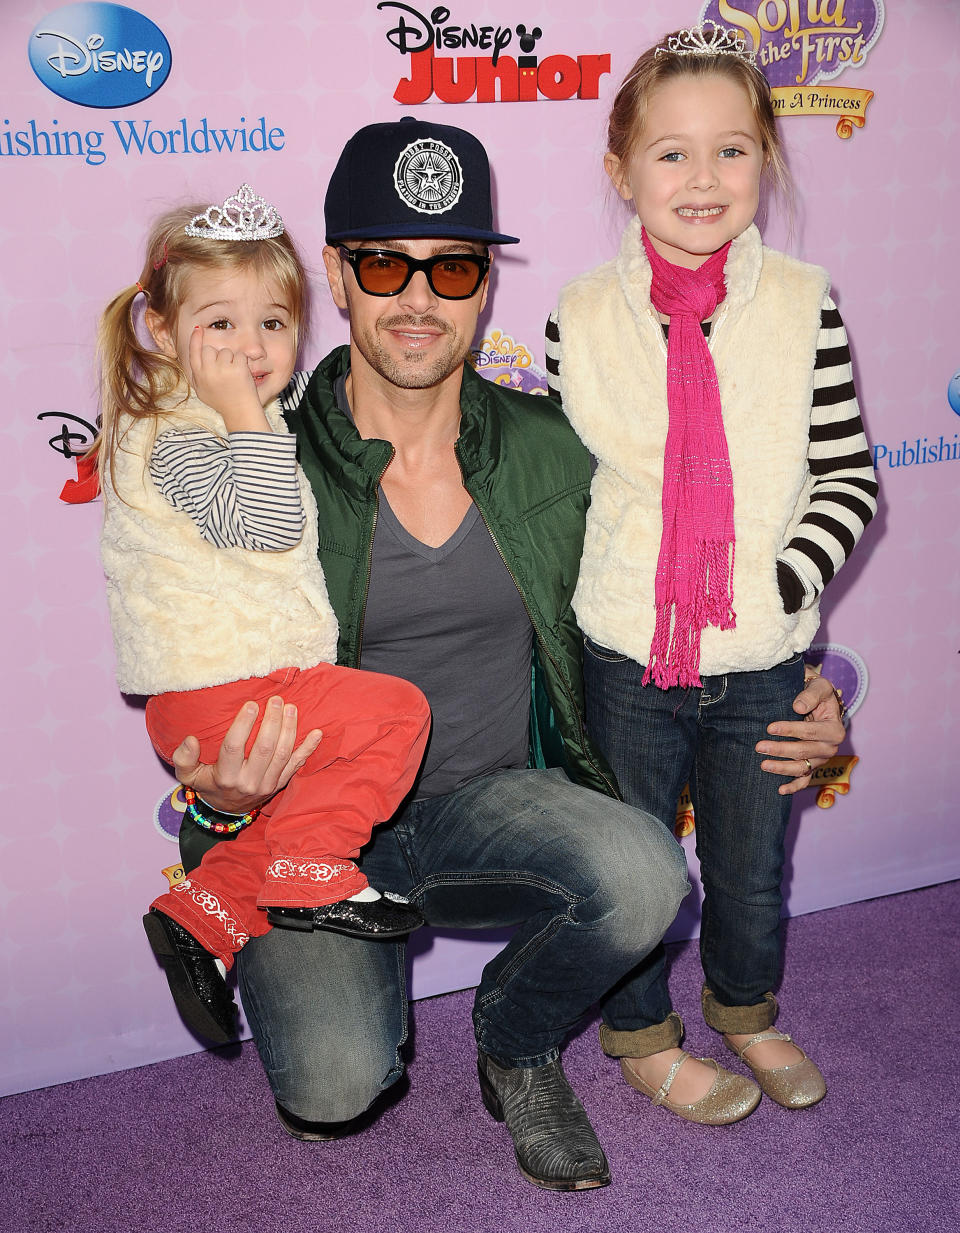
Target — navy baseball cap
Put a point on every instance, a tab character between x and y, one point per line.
410	180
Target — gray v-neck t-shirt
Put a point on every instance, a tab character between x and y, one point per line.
451	620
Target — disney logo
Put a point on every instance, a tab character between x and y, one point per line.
99	55
432	31
515	359
73	59
70	444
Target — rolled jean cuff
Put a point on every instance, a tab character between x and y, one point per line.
642	1042
751	1019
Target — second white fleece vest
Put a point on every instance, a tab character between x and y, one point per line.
613	382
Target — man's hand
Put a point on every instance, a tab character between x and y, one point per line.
235	783
808	743
222	379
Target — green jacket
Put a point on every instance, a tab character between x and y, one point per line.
529	477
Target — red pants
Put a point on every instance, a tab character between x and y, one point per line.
300	851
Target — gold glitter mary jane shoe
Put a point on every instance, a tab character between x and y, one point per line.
731	1097
796	1086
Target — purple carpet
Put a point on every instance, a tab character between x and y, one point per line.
870	990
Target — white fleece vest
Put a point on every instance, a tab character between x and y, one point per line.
186	614
613	379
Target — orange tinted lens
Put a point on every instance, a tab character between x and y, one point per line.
455	276
381	274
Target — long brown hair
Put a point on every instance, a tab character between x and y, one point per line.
134	377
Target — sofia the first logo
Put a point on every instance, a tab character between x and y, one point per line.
801	43
168	814
167	817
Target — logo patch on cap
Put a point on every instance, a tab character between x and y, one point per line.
428	177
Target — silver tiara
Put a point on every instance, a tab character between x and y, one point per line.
244	216
720	42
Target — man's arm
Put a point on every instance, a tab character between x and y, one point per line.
807	743
237	783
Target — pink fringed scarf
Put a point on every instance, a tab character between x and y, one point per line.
694	583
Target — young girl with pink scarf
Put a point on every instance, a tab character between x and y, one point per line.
710	377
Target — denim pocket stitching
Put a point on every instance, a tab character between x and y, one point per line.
605	654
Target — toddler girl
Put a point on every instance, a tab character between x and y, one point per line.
710	376
217	596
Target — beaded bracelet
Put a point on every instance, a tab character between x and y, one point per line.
218	828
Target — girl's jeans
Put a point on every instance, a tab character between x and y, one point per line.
659	740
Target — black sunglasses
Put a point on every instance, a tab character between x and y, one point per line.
381	271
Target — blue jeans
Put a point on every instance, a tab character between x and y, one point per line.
657	741
591	885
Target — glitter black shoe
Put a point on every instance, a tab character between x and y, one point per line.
202	996
555	1145
390	916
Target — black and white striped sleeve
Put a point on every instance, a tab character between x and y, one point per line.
844	494
241	491
552	351
290	397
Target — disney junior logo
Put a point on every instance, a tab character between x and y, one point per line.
99	55
74	435
415	31
488	78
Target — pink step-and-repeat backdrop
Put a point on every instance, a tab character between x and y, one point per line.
110	114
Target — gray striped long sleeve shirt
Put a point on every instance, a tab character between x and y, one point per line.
242	491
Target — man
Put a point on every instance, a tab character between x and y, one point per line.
451	515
